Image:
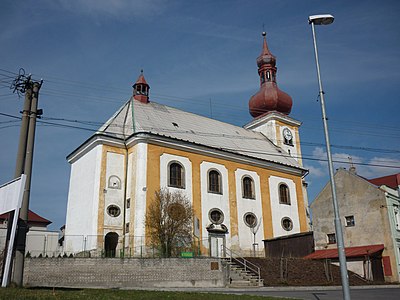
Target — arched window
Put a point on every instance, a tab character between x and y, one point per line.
214	182
248	188
284	195
176	175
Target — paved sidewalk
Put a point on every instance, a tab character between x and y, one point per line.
373	292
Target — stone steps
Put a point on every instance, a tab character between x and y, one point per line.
239	277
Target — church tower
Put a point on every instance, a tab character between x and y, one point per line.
141	89
271	107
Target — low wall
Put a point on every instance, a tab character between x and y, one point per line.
124	273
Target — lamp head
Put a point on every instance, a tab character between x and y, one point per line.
321	19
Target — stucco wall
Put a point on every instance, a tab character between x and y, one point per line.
124	273
367	203
83	195
357	198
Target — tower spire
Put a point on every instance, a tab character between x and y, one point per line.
269	97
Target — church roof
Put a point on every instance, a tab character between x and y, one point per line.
162	120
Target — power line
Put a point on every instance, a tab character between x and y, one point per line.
95	123
200	101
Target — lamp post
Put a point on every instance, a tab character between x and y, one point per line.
326	20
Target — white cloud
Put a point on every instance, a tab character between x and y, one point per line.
368	168
315	171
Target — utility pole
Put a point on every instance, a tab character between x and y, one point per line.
21	84
23	215
24	164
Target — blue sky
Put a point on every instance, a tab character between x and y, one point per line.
89	53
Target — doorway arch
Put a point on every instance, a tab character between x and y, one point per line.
110	244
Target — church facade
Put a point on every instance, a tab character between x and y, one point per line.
245	184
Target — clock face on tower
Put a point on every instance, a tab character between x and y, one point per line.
288	136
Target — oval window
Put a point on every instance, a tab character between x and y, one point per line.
113	211
250	219
287	223
216	216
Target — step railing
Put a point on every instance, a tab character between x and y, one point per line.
241	261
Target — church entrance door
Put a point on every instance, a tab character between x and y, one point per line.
110	244
217	245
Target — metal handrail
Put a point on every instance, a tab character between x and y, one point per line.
248	265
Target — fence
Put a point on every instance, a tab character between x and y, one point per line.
40	245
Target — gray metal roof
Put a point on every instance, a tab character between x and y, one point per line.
174	123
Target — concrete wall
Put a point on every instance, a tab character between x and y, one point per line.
124	273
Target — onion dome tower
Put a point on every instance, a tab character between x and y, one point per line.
141	89
269	97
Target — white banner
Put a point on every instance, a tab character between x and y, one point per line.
11	195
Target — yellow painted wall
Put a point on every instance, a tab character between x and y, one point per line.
153	185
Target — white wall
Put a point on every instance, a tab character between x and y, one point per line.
283	210
249	205
83	200
140	196
212	200
42	242
269	130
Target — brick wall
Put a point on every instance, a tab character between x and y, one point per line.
124	273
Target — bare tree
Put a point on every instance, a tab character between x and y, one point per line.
169	221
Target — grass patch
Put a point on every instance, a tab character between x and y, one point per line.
87	294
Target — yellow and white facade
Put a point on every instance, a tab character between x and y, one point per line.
245	183
120	168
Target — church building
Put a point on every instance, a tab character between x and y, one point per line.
246	184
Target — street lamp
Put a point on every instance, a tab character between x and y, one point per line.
327	19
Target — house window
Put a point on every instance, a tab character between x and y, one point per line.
176	175
127	228
350	221
216	216
248	188
250	219
287	224
331	238
284	195
214	182
113	210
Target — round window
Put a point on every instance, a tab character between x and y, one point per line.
287	224
113	211
216	216
250	219
176	211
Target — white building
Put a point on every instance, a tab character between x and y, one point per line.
236	178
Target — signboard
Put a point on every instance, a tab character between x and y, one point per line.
11	195
186	254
